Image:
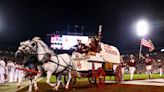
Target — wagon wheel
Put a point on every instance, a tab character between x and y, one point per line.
118	74
90	79
73	80
100	78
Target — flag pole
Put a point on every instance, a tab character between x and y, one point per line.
100	33
140	51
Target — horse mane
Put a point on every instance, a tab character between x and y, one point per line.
48	50
25	42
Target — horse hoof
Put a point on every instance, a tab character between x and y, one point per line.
18	87
54	88
37	90
66	88
54	85
28	91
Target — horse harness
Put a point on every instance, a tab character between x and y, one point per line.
59	65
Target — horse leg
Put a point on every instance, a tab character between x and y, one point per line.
61	82
69	79
35	83
49	74
30	85
20	79
59	78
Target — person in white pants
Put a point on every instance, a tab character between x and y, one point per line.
132	66
122	67
20	73
160	64
148	62
6	72
2	71
11	70
16	73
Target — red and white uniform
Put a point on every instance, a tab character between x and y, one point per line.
2	71
132	67
160	64
11	71
148	62
122	68
16	73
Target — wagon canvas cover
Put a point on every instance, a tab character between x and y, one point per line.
110	53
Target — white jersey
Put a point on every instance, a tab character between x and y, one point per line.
16	66
16	73
11	71
2	66
11	66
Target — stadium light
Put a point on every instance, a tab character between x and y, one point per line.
142	28
162	50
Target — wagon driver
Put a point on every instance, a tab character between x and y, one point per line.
80	47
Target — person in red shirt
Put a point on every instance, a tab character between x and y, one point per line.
132	66
148	61
93	46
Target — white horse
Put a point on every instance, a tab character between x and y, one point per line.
57	64
33	81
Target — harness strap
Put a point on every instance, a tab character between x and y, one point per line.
57	64
65	61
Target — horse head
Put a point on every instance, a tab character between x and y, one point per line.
23	48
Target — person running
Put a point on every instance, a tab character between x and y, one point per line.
122	67
132	66
149	61
160	65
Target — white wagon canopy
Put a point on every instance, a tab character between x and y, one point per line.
110	53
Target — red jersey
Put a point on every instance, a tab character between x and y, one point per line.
94	46
148	61
123	64
132	63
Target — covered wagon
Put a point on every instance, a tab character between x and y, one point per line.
96	68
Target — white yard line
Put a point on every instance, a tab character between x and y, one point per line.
148	82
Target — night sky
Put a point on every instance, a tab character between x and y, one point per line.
24	19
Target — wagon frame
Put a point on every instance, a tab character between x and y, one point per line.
97	76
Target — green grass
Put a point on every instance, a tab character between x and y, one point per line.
126	77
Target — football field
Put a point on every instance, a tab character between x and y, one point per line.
82	85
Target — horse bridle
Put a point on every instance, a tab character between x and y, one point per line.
35	51
31	49
51	60
22	51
